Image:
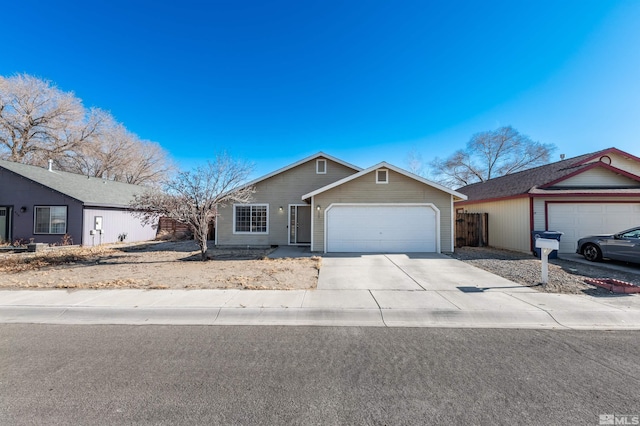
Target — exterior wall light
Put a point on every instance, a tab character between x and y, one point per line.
23	209
318	207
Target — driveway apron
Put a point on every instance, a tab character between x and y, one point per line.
363	272
413	271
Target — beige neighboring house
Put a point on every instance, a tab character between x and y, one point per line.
333	206
590	194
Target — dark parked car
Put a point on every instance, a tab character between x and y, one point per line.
623	246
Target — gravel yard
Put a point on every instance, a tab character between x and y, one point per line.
565	276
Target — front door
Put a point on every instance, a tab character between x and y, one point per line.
300	224
4	229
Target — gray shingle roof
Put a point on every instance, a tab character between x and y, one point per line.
523	182
90	191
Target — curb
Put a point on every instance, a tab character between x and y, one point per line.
393	318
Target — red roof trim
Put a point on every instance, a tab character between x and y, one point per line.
487	200
551	195
589	167
588	194
608	151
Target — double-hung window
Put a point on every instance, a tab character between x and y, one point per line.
250	219
50	220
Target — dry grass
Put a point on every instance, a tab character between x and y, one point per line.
35	261
158	265
112	284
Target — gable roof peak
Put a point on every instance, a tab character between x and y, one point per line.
299	162
390	167
612	150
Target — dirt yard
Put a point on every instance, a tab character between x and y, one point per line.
157	265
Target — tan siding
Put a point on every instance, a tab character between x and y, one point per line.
598	177
509	219
278	191
400	189
508	223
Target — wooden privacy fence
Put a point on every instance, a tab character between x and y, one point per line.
472	229
170	226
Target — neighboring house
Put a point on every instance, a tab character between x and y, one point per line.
45	205
590	194
333	206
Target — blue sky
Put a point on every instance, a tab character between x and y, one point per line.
365	81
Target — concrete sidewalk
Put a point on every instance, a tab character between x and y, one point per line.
476	308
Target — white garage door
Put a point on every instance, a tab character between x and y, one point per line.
578	220
384	229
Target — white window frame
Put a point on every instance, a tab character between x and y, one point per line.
318	162
386	171
35	221
266	205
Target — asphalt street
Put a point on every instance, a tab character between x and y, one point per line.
100	374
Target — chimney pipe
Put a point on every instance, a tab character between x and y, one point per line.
50	165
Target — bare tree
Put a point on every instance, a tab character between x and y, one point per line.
38	122
194	197
415	164
488	155
119	155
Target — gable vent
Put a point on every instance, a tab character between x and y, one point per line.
605	159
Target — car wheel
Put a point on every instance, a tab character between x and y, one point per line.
591	252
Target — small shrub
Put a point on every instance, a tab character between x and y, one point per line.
19	242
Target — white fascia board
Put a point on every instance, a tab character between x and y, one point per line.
420	179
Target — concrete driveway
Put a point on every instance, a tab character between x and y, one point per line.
413	271
403	286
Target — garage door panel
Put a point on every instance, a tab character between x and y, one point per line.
381	229
577	220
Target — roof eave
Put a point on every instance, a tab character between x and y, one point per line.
109	206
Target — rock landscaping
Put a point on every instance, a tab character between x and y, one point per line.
565	276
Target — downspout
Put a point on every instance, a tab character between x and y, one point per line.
453	229
312	222
531	223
